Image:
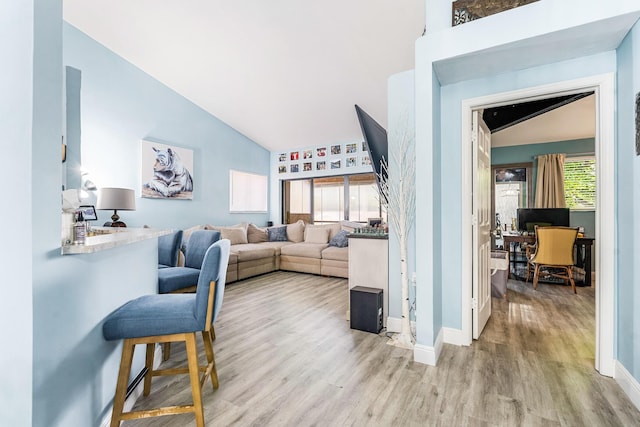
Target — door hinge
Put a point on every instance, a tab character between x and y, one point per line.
474	303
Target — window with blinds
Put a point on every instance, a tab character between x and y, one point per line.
580	182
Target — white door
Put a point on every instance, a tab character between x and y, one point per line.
481	303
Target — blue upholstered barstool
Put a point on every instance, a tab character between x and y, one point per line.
184	279
168	249
155	319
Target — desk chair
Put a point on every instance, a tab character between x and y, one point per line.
168	249
554	249
155	319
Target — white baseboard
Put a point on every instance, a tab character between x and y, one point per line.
394	324
428	355
137	392
628	383
452	336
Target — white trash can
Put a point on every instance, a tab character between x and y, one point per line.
499	265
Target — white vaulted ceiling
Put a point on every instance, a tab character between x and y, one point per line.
285	73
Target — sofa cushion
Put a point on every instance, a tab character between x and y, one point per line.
250	251
307	250
317	235
257	234
233	258
333	228
277	234
276	246
295	231
340	240
335	253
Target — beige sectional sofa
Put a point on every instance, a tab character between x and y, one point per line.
307	249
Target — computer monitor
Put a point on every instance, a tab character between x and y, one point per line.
528	218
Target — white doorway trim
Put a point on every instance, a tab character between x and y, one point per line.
604	87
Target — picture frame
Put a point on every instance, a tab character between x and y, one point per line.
88	212
166	171
638	124
336	150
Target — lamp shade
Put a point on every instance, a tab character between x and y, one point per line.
122	199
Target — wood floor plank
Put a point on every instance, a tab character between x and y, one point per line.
286	357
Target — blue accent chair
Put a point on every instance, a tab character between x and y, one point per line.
184	279
168	249
155	319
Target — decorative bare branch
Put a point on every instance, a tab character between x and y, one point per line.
398	194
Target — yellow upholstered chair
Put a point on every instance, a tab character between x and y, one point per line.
554	250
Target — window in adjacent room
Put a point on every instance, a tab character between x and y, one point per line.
580	182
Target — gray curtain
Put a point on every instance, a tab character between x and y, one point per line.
550	181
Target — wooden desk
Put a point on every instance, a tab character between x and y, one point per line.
583	251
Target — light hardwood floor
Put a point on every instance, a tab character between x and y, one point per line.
286	357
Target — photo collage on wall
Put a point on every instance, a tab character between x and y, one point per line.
325	158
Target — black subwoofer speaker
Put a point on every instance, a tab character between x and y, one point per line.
366	309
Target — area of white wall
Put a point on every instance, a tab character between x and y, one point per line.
16	304
628	207
121	105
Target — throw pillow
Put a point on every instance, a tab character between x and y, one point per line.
317	235
295	231
277	234
237	235
256	234
340	240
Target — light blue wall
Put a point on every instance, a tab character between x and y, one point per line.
121	105
526	153
59	371
452	97
628	207
16	122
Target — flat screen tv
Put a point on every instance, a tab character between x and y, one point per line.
375	141
528	218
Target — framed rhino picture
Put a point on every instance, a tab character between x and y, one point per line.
166	171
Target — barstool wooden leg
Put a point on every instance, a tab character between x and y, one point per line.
123	380
149	365
211	362
166	351
194	376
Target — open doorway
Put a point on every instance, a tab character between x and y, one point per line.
604	224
